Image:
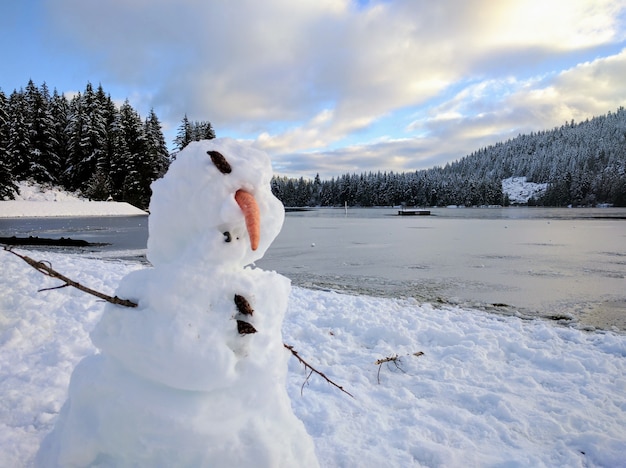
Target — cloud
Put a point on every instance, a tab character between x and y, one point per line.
304	77
588	89
479	115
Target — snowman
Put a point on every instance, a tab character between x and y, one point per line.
195	375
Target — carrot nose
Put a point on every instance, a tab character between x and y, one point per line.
252	215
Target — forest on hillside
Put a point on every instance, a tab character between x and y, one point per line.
85	144
89	145
584	164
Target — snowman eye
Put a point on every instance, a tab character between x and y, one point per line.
220	162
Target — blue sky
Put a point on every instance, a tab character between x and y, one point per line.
333	86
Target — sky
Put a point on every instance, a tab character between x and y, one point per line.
331	87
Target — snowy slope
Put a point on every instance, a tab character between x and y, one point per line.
520	191
30	191
35	201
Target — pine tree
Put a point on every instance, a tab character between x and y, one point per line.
8	188
139	170
202	131
184	135
87	139
18	147
44	162
100	185
119	158
193	131
156	148
59	112
73	176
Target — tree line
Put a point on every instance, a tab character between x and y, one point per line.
583	164
84	144
87	144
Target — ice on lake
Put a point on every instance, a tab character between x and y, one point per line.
558	263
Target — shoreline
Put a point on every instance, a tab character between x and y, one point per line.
16	209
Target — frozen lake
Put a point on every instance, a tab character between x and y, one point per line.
568	263
559	263
124	236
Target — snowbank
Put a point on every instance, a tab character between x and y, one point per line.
35	201
488	391
32	209
30	191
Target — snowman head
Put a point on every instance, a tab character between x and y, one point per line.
214	206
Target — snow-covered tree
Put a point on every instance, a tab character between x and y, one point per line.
7	186
184	134
193	131
82	144
18	147
156	148
44	162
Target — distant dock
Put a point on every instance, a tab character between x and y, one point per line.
413	212
292	209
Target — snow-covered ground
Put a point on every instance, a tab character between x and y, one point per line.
33	200
520	191
488	390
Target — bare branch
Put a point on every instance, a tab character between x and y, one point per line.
53	288
397	361
313	369
305	382
47	270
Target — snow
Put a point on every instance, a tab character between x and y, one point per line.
31	191
172	378
520	191
36	201
488	391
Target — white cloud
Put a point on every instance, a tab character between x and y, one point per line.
487	112
307	75
558	24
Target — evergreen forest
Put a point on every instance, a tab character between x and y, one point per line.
88	145
584	164
85	144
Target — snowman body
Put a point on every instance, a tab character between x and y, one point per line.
195	375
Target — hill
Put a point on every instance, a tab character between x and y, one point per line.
579	164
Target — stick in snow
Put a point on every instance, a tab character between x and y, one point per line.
313	369
47	270
396	360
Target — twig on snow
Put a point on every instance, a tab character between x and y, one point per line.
397	361
47	270
313	369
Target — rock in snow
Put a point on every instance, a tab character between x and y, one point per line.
196	374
